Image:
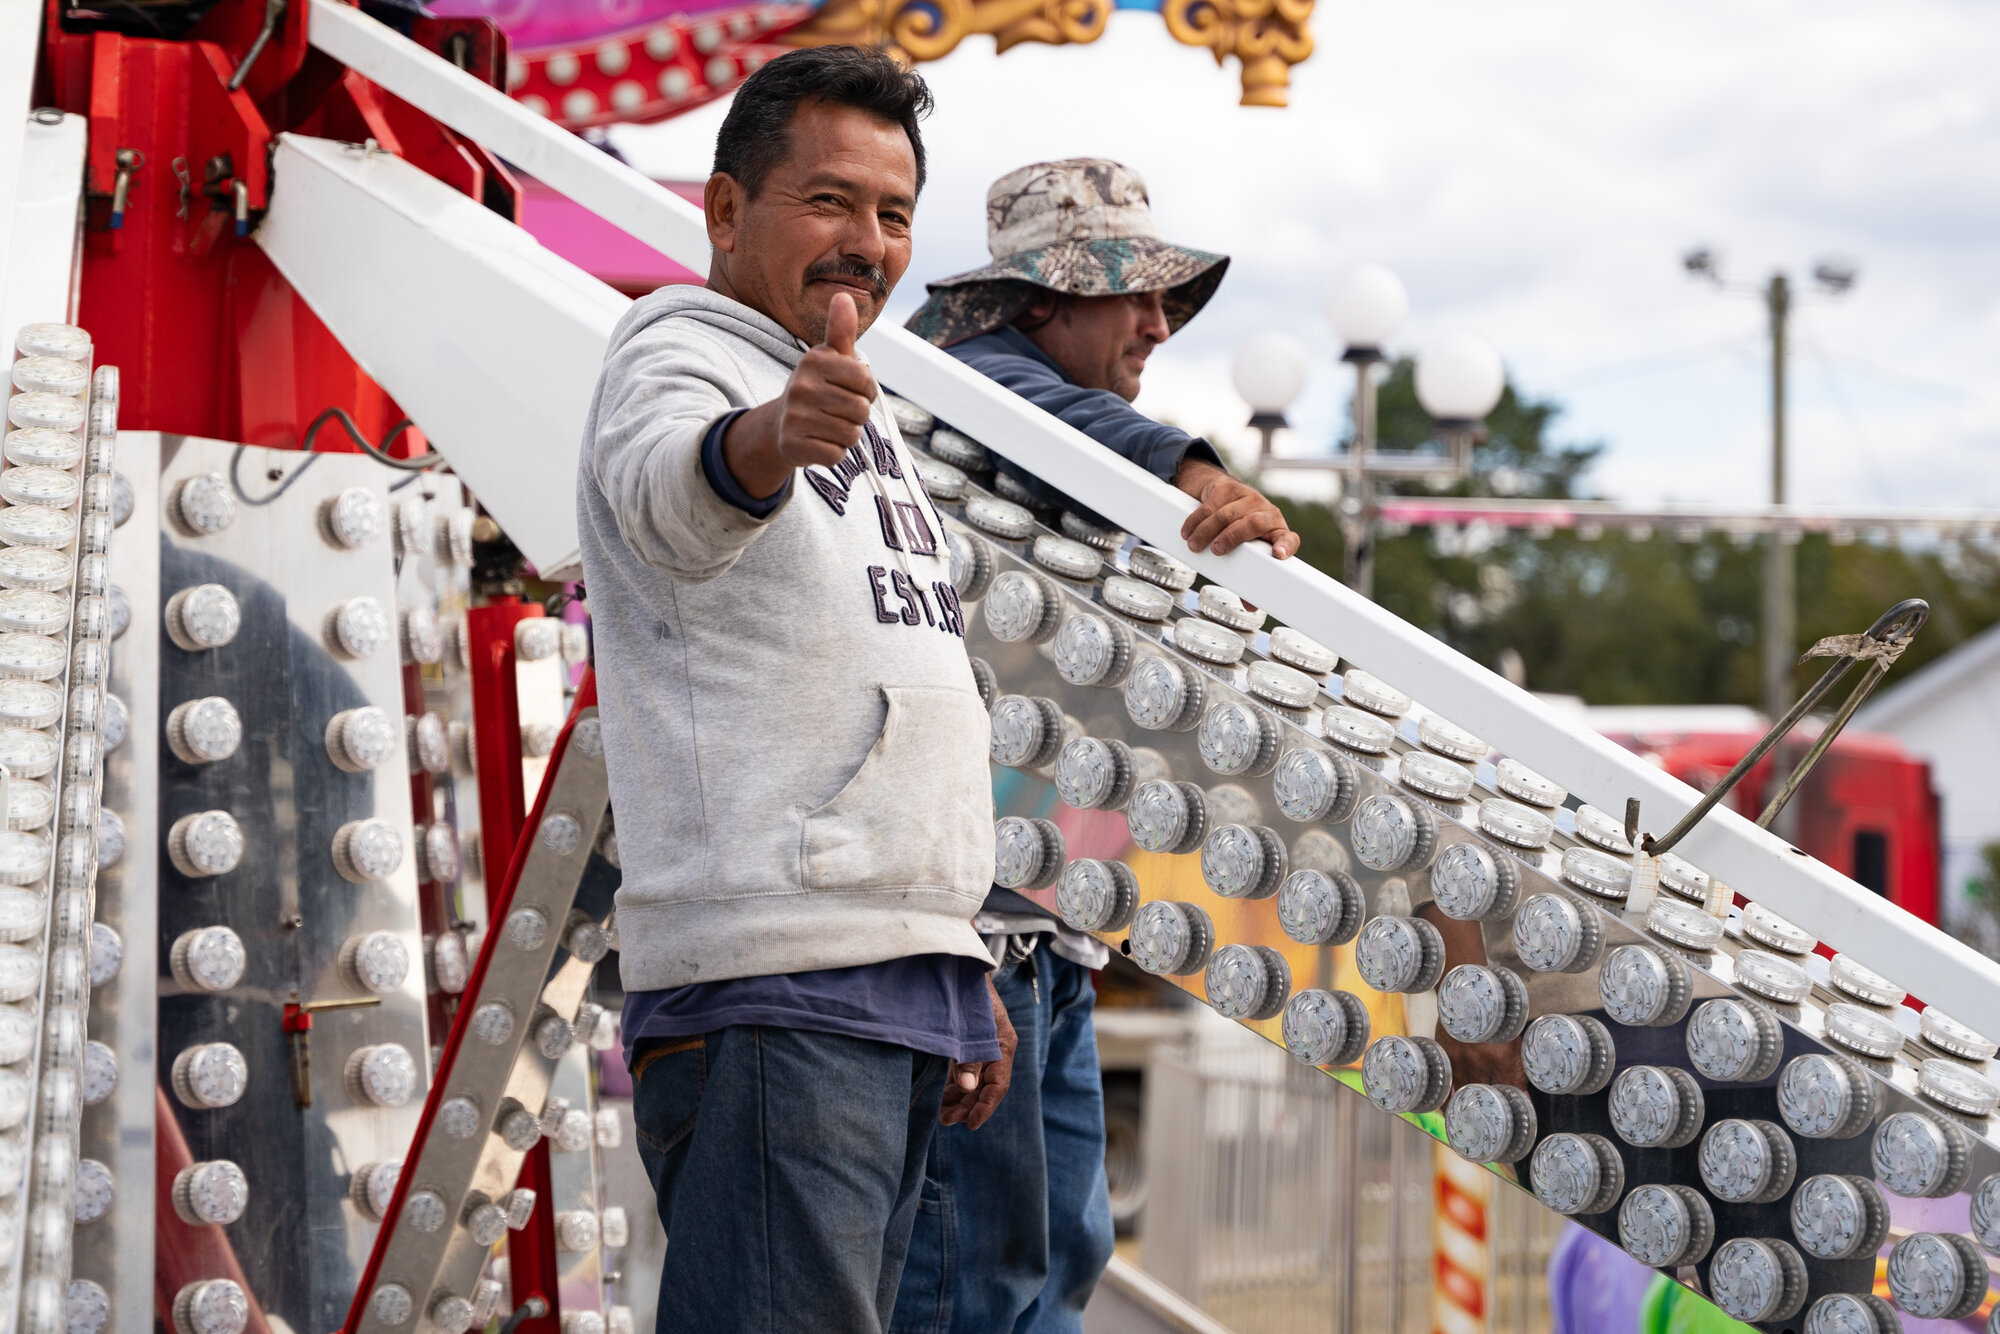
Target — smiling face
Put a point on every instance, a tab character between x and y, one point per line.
1101	342
834	216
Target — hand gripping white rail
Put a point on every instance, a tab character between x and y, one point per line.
1837	910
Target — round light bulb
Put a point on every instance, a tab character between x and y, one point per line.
1365	306
1459	378
1269	371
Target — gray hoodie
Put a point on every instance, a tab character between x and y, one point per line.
797	752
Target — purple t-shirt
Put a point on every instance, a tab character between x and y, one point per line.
932	1003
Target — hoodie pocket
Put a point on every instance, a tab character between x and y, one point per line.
918	814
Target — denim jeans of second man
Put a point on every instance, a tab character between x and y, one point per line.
787	1165
1014	1229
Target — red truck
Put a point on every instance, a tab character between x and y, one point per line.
1868	810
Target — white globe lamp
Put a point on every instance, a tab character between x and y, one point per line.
1366	306
1459	380
1269	372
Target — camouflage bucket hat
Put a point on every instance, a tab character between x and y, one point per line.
1081	226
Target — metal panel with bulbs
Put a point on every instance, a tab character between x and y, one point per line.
293	1043
1279	839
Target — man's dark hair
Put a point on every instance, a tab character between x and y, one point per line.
756	134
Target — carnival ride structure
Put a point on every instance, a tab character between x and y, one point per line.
310	852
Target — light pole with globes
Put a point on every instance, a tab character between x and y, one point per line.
1365	306
1269	372
1459	380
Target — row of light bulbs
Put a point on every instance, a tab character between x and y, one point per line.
60	500
1741	1161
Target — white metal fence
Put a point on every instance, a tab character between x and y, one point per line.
1281	1203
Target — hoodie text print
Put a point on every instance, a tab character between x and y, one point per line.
797	750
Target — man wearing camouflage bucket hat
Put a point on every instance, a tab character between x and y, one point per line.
1081	289
1014	1227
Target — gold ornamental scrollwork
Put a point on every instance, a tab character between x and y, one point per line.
1267	36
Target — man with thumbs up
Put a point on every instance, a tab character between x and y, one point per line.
797	749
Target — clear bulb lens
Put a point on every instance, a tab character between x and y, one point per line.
1309	784
1358	731
24	856
1141	601
209	958
1390	834
1772	977
560	833
493	1023
362	739
1295	650
384	1075
1436	777
367	850
358	628
213	1193
25	703
1157	567
1087	650
30	657
203	617
1002	518
1365	690
39	447
1596	873
211	1075
30	610
1319	908
1523	784
48	487
205	504
1684	925
458	1118
1068	558
30	805
378	961
1234	740
204	731
353	518
1210	643
1602	830
40	568
206	843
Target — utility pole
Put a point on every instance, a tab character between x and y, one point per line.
1780	556
1780	637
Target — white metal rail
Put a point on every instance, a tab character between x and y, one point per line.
1835	909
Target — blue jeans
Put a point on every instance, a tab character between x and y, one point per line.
1014	1227
787	1166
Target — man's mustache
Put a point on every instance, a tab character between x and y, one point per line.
878	281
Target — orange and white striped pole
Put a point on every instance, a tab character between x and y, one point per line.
1461	1245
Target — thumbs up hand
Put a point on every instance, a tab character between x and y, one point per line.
827	401
816	420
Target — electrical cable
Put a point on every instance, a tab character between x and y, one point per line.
236	482
380	453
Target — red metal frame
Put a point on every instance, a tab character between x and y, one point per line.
211	339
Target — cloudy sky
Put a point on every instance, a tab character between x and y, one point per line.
1533	170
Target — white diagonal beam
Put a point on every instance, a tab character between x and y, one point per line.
488	341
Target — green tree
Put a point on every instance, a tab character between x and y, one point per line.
1615	619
